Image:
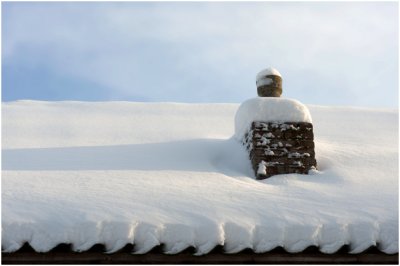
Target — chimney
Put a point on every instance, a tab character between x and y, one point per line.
278	132
269	83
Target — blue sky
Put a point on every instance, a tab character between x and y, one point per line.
329	53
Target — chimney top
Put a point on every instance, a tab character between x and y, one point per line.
269	83
268	72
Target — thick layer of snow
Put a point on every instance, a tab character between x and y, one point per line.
269	109
32	124
119	172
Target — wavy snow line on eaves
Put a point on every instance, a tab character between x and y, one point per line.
178	237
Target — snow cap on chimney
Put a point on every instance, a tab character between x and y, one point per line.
269	83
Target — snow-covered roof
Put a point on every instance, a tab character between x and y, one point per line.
141	173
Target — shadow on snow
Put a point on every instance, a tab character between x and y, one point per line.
202	155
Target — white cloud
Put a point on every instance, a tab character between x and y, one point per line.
170	48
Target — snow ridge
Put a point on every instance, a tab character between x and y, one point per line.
177	237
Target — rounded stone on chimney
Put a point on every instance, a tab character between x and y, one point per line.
269	83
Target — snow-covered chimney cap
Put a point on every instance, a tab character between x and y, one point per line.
268	72
269	83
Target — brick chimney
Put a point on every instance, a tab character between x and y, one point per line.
278	147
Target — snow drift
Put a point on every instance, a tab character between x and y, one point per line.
119	172
269	109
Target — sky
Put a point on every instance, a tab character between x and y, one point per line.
329	53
